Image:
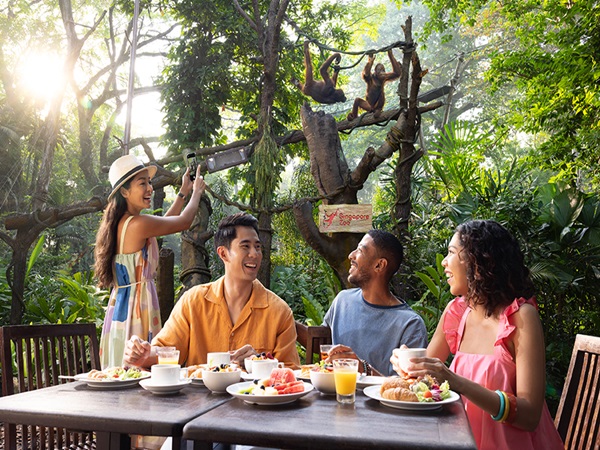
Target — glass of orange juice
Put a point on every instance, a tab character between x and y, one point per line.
345	372
167	355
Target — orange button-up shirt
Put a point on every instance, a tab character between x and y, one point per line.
200	323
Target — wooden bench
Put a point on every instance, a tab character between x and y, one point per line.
578	416
33	357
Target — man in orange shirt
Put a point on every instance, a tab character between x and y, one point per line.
235	313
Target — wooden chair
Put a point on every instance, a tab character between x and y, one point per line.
33	357
578	415
311	338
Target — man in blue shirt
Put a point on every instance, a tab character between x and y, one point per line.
368	322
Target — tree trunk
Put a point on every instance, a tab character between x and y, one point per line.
165	283
266	238
194	257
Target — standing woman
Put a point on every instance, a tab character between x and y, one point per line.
495	334
127	252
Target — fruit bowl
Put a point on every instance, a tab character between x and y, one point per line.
219	381
324	382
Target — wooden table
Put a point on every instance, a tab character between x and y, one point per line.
112	414
317	421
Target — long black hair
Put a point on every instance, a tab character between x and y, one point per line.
106	238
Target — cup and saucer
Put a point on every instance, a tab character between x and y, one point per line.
165	380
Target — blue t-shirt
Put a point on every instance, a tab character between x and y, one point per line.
374	331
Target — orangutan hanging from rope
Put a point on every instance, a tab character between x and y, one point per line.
375	97
320	91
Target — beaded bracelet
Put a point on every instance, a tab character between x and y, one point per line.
507	407
367	367
502	407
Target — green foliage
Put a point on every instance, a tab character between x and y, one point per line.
64	299
435	298
309	293
549	52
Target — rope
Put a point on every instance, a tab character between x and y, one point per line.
405	46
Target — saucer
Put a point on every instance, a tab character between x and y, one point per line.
162	389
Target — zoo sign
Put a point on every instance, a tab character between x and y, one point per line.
345	218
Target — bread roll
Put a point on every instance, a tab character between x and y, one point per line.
401	394
395	382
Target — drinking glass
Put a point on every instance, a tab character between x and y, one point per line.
345	372
325	351
168	355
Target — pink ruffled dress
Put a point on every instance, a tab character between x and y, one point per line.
496	371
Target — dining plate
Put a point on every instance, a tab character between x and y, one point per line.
369	380
247	376
299	376
235	389
109	383
197	381
374	393
162	389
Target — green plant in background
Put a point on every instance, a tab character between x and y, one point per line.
309	294
65	299
432	303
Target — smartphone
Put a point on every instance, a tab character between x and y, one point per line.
192	162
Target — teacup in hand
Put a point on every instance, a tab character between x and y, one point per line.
405	354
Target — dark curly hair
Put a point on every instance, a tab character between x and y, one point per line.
495	269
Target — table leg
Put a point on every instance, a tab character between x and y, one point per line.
112	441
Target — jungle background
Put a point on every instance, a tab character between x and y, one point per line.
515	138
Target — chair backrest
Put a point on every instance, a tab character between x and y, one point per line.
311	338
578	415
33	357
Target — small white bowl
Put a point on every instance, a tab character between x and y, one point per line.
248	364
324	382
219	381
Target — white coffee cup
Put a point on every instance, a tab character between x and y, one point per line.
405	354
165	374
217	358
261	368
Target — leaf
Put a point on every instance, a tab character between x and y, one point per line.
35	253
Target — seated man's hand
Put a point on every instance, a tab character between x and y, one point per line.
341	352
242	353
137	351
396	362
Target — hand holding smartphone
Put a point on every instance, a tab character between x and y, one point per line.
192	163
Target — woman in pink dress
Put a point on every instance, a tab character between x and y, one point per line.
494	332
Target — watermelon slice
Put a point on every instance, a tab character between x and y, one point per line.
281	376
293	389
282	387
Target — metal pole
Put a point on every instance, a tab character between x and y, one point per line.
130	84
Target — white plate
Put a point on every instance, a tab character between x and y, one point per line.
196	381
366	381
247	376
235	389
164	389
109	383
373	392
298	375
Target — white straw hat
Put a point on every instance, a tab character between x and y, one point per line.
123	169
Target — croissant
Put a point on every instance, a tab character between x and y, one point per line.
395	382
398	393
